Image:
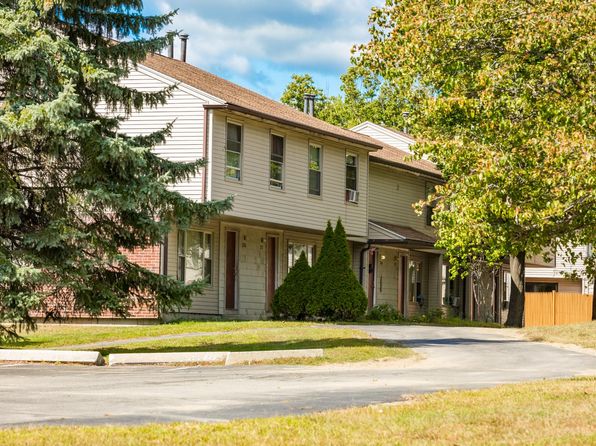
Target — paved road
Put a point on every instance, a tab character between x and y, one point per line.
455	358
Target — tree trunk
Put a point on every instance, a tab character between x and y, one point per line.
515	317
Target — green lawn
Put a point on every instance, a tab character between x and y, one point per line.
540	413
58	335
583	335
340	344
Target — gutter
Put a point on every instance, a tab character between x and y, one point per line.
364	250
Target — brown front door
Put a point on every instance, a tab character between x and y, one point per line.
231	269
271	269
372	262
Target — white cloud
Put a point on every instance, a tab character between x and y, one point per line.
234	36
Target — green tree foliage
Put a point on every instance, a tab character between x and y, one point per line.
364	97
336	292
292	296
300	85
75	193
502	98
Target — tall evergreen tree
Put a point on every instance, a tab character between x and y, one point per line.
336	292
75	193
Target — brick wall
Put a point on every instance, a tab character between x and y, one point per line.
148	258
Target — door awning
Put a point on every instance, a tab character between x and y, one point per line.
389	234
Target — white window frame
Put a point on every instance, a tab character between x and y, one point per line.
355	156
281	183
241	153
183	256
320	170
306	247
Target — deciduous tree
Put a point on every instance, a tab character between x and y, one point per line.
502	97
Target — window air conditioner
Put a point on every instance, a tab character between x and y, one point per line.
351	196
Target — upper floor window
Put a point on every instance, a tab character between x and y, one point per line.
233	151
352	178
314	169
194	256
276	163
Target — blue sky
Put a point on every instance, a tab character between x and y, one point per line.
260	43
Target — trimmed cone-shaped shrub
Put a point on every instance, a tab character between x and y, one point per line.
350	299
336	292
291	298
321	284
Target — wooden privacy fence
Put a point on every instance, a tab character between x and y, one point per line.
556	308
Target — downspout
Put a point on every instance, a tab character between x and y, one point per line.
365	249
206	130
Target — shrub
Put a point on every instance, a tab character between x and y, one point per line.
336	292
384	313
291	298
429	317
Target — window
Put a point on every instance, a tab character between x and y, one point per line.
352	178
541	287
314	169
294	251
276	164
414	280
233	151
194	256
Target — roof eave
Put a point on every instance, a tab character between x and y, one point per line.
237	108
407	167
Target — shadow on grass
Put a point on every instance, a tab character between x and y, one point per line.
22	343
294	344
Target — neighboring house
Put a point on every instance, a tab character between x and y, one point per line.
563	276
289	174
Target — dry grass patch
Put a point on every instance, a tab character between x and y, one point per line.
540	413
583	335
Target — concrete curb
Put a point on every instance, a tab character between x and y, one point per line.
228	358
266	355
66	356
167	358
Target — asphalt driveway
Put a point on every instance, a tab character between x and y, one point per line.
455	358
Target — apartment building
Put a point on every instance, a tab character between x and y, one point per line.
289	173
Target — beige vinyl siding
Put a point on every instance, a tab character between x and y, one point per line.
561	266
185	107
392	194
254	199
384	135
252	265
208	302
